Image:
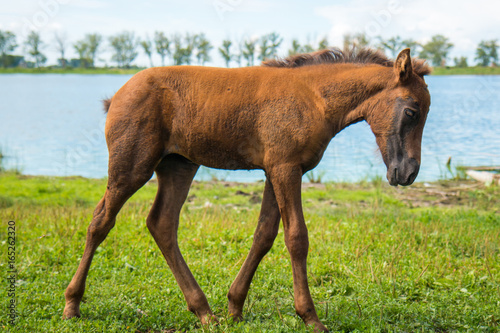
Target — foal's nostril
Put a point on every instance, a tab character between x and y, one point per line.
412	177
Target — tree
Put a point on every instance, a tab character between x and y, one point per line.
436	50
124	46
82	48
33	45
147	46
178	53
355	41
61	41
461	62
183	50
188	49
268	47
275	40
323	44
393	45
413	45
482	54
7	44
203	48
87	49
487	52
296	48
307	48
264	47
162	44
225	51
93	42
248	51
494	51
238	57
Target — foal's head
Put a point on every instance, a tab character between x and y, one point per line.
397	119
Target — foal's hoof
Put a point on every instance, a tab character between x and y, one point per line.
318	327
236	317
209	319
71	311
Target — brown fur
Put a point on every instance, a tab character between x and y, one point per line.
278	117
107	104
337	56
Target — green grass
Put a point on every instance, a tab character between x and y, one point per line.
476	70
381	259
50	70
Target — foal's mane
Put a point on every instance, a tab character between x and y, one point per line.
337	56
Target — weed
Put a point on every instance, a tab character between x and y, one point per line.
315	177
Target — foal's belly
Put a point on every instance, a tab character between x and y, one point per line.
220	153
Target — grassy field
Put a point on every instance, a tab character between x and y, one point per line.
49	70
477	70
382	259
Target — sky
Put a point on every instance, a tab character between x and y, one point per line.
465	23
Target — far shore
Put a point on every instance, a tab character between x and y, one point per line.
476	70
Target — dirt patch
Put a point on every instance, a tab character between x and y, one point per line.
446	193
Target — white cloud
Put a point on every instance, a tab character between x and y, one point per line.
357	16
255	6
89	4
465	23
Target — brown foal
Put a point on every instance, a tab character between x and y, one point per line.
278	117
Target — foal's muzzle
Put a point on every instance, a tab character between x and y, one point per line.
403	172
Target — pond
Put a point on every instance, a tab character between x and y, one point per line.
53	125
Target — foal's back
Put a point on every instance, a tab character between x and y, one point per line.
226	118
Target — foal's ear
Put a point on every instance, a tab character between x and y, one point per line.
402	65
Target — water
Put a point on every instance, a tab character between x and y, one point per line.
53	125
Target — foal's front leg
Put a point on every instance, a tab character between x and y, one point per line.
286	181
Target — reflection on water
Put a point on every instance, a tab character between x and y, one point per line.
53	125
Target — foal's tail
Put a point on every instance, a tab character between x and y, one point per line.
107	104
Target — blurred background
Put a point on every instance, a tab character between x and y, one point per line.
60	58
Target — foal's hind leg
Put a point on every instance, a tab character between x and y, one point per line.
128	172
263	239
175	174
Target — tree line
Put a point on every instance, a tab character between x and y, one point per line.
187	49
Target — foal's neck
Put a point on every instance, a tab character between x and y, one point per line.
349	91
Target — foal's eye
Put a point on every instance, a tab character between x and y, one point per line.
410	113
